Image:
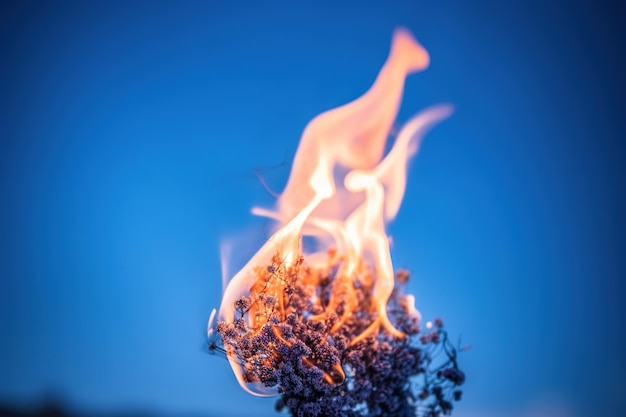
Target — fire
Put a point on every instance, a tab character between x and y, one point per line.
342	191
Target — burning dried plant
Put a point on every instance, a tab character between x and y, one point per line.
332	331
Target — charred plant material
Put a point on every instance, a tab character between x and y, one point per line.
288	333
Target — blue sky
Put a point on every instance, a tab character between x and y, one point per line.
132	132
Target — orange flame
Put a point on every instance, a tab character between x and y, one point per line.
341	191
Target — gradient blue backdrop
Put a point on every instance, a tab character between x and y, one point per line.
131	136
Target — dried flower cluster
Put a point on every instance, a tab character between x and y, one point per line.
286	334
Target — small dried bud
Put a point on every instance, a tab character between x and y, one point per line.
402	276
243	304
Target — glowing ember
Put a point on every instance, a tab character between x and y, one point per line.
330	330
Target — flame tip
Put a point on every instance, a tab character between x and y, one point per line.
405	46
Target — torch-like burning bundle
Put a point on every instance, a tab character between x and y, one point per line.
331	330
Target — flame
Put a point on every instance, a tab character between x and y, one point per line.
342	191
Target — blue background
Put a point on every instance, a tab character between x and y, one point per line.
132	134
